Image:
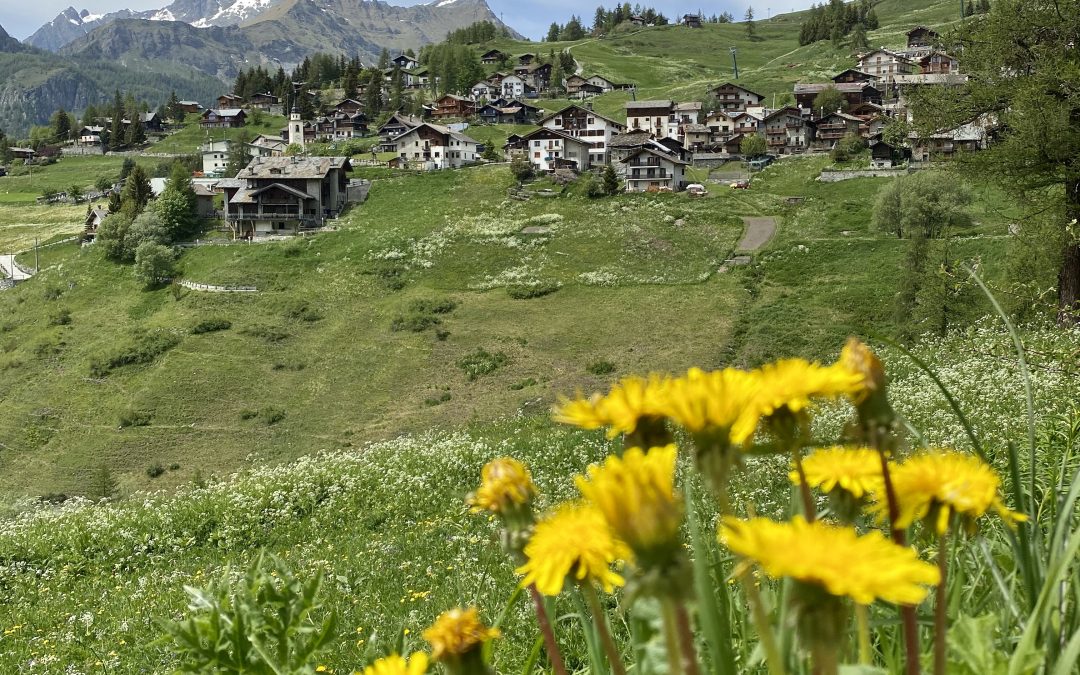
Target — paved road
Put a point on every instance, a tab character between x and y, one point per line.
8	269
759	230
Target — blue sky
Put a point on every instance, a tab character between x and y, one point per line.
531	18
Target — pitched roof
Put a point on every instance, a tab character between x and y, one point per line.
791	110
285	188
225	112
629	139
737	86
438	128
661	155
586	110
921	28
842	87
556	133
293	167
659	103
687	106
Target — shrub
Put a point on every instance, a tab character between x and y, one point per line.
174	466
301	310
442	334
248	414
144	349
392	277
434	401
594	189
530	382
154	263
134	418
61	318
414	323
289	365
481	362
527	291
268	333
155	470
52	293
210	326
601	367
424	306
521	168
271	415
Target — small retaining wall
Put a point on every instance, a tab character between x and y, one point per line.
837	176
210	288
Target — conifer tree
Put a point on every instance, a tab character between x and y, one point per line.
749	18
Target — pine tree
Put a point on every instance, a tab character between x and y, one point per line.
384	59
239	157
557	76
859	42
136	192
116	132
373	103
984	7
969	8
397	90
749	18
553	33
61	125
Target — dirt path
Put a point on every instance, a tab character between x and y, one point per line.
9	270
759	230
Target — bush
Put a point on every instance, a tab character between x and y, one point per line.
174	466
423	306
61	318
271	415
527	291
294	366
601	367
248	414
155	470
134	418
154	263
301	310
211	326
521	168
52	293
269	334
441	335
442	398
414	323
392	277
530	382
481	362
143	350
594	189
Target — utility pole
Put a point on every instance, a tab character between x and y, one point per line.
735	63
37	259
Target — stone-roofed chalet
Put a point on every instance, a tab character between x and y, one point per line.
587	125
730	97
549	149
649	170
284	195
431	147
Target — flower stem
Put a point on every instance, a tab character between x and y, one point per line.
761	622
546	630
804	489
862	617
907	612
825	661
941	618
671	637
686	639
600	619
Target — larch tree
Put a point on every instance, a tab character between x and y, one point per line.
1023	66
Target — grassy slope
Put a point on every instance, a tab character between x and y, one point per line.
636	289
188	139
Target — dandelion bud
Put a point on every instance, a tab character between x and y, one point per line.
457	638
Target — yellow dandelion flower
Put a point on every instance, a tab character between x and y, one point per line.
836	559
457	633
856	471
718	401
581	412
636	495
395	664
793	383
940	483
575	541
859	359
630	401
505	485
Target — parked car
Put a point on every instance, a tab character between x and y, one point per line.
741	185
759	163
696	190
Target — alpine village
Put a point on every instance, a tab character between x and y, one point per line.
472	337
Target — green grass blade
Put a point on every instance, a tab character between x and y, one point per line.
712	611
1066	663
592	640
1025	376
1021	541
534	656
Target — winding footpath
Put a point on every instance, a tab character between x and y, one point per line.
759	231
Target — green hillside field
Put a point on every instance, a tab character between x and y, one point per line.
337	416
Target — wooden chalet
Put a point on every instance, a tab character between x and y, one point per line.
921	36
190	107
730	97
493	56
526	58
692	20
854	93
787	132
937	62
834	126
452	105
264	101
405	62
229	101
349	106
226	118
853	75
